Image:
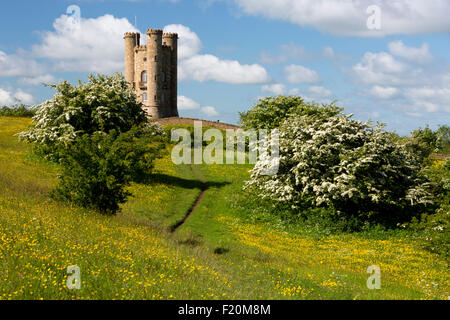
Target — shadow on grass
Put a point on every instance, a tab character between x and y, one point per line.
158	178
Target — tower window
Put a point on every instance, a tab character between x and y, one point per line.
155	98
162	97
144	76
144	96
145	59
163	76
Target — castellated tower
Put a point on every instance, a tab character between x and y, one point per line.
152	71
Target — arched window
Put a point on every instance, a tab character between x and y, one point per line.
163	77
144	76
144	96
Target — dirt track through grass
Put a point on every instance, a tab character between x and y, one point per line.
197	201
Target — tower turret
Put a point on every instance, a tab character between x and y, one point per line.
171	40
154	70
131	40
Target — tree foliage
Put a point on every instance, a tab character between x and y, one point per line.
270	112
20	110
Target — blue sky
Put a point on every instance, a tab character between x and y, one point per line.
234	52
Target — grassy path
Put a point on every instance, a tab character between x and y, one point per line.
196	202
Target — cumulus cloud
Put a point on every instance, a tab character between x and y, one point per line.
319	91
274	89
45	78
384	92
408	81
420	55
93	45
18	65
300	74
209	111
189	43
185	103
8	97
381	68
208	67
349	17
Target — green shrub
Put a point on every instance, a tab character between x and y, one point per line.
17	111
98	167
270	112
435	227
102	104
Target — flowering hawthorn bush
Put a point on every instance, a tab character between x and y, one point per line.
102	104
336	162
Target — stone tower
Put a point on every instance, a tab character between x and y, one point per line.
152	71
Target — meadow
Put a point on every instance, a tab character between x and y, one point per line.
228	248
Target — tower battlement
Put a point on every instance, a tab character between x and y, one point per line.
170	35
131	34
154	31
151	70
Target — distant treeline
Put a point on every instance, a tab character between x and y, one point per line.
19	110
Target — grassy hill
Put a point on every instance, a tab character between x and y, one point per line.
223	250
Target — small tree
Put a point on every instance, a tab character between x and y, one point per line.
98	167
102	104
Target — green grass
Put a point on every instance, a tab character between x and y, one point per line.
228	248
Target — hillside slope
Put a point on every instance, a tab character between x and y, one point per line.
223	250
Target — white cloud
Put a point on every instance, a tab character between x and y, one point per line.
8	97
420	55
96	45
18	65
46	78
413	85
185	103
209	111
208	67
319	91
381	68
349	17
384	92
189	43
5	97
274	89
93	45
300	74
